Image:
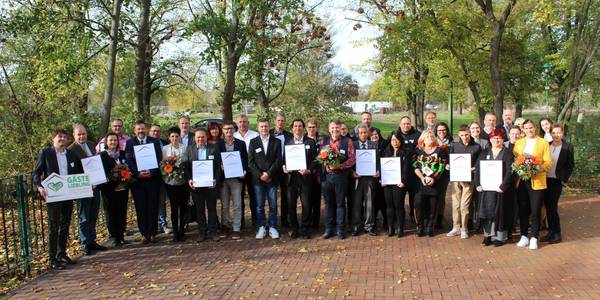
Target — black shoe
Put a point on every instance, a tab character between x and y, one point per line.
487	241
420	231
341	235
97	247
201	237
390	231
113	242
294	234
498	243
306	235
214	237
400	233
546	238
372	232
87	251
55	265
66	260
328	234
355	231
556	238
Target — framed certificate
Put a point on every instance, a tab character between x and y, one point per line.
366	162
460	167
92	166
295	157
490	174
202	173
232	164
391	171
145	157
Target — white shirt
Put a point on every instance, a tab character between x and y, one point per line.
184	139
298	141
554	153
548	137
142	141
169	150
63	165
202	152
250	134
529	146
265	143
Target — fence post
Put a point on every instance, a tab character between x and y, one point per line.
24	234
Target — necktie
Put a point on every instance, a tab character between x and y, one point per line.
364	146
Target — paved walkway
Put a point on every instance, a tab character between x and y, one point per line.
356	268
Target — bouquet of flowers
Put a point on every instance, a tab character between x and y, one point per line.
171	169
330	156
526	166
121	174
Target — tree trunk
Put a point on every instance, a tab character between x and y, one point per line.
143	43
497	84
229	90
112	59
264	104
474	88
519	110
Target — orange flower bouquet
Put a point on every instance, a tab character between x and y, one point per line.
171	168
330	156
121	174
526	166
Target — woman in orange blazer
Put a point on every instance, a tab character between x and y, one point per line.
530	193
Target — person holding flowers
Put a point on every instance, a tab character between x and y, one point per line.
171	169
532	161
115	192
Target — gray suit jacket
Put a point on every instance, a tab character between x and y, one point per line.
78	150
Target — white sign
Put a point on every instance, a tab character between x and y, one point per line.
92	166
67	187
145	157
202	173
391	171
295	157
460	167
366	162
232	164
490	174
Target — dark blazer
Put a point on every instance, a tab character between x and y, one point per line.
47	164
311	151
238	145
508	180
78	150
212	152
130	155
566	162
108	163
258	162
370	145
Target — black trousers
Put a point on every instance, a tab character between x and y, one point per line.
300	186
509	210
394	201
551	198
363	203
530	204
115	210
380	205
315	203
59	218
247	186
283	207
349	199
178	197
205	200
441	204
425	208
145	197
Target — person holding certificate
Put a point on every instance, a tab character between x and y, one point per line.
57	159
462	191
394	194
429	164
143	163
231	188
202	160
264	163
114	193
494	208
175	185
300	179
365	172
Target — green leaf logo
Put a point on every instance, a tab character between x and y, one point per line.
55	186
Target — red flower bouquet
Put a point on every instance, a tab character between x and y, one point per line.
121	174
330	156
171	168
526	166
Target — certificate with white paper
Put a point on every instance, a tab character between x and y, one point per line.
232	164
460	167
391	171
366	162
295	157
202	173
490	174
92	166
145	157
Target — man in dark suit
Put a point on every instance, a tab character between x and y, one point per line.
364	204
301	182
231	189
88	208
57	159
264	163
146	188
205	198
280	133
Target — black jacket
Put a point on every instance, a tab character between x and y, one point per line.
238	145
508	180
566	162
370	145
473	148
212	153
258	162
47	164
311	151
108	163
78	150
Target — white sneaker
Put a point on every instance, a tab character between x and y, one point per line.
464	234
273	233
453	232
261	233
533	244
523	242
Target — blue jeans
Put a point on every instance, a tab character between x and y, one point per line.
87	215
334	188
270	193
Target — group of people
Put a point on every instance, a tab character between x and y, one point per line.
349	197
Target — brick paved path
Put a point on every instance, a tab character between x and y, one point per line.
356	268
